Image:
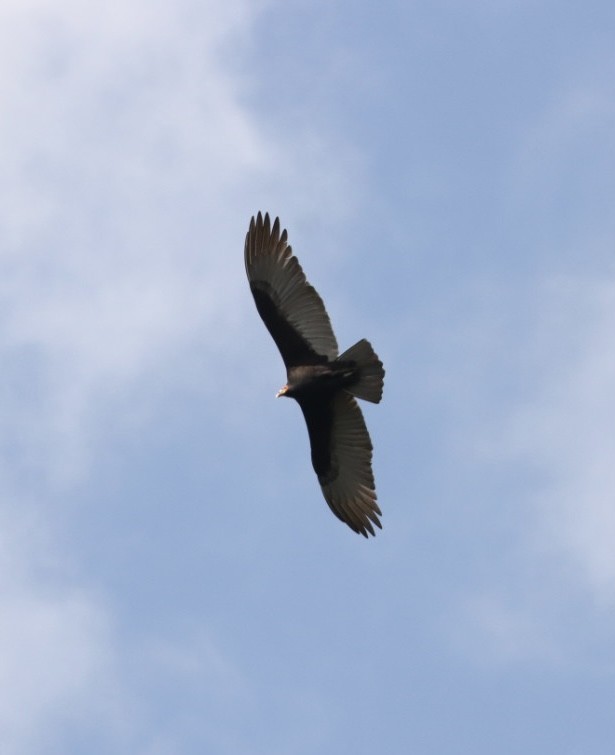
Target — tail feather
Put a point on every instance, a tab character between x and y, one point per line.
370	371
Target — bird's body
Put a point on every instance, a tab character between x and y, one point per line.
323	383
317	381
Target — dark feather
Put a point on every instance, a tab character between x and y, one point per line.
290	308
322	383
341	457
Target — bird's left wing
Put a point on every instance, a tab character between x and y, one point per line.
342	459
290	307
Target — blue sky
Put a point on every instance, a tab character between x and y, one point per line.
171	578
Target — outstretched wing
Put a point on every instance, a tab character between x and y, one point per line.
342	459
290	307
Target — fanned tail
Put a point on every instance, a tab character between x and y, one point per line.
370	379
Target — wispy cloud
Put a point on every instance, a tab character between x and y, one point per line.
128	175
555	565
548	365
131	167
126	143
565	168
566	429
57	662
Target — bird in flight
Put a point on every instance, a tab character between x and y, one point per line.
324	384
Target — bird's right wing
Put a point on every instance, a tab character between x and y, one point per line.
342	459
290	307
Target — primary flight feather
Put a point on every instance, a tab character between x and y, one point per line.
323	384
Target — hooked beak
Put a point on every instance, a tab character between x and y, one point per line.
282	392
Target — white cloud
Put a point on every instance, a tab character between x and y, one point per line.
566	430
127	162
128	173
556	445
56	661
128	151
554	434
67	674
547	424
132	171
563	185
551	447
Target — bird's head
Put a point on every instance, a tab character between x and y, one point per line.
282	392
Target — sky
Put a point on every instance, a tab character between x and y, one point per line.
171	579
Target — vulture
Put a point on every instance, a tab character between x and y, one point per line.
324	384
